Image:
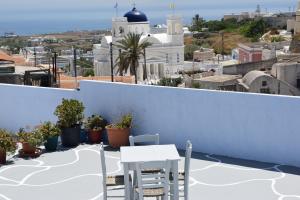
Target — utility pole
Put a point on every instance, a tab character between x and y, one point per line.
34	53
222	52
145	65
111	62
75	67
55	67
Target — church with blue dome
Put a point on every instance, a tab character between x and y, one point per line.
164	58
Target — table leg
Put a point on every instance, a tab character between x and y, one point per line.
175	181
127	183
175	189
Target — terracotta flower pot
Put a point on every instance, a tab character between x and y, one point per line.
2	156
118	137
95	136
28	149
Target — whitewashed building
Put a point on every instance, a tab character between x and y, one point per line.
165	57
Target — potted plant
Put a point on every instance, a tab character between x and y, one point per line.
118	134
7	145
30	141
70	116
50	133
95	125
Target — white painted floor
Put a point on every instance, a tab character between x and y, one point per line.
76	175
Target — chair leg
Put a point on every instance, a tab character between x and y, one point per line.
104	192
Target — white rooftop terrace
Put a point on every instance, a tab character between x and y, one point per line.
258	127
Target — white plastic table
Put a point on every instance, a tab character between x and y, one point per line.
132	155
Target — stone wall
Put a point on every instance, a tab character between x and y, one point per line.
244	68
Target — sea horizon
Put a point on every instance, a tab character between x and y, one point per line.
32	22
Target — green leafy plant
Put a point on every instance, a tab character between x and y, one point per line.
48	130
125	122
33	138
95	123
7	142
69	113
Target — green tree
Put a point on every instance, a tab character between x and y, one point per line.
89	72
189	51
132	50
197	23
254	29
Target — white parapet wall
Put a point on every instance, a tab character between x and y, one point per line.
24	106
249	126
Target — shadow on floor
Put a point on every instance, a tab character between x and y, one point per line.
244	163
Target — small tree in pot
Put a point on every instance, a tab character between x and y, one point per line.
30	140
70	116
95	125
7	145
50	133
118	134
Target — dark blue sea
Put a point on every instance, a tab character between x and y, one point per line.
37	21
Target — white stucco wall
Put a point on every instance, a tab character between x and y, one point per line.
22	106
242	125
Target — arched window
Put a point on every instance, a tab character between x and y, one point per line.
298	80
167	58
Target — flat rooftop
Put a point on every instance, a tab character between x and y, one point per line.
76	174
219	78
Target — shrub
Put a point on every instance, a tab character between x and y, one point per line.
69	113
7	142
95	123
125	122
48	130
33	138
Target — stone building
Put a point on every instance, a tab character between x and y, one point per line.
204	54
261	82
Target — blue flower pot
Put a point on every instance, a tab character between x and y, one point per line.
83	136
51	144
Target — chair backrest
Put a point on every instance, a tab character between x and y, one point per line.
103	163
144	139
153	180
187	164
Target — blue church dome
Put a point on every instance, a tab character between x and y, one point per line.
136	16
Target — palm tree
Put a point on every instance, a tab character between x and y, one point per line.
132	50
122	64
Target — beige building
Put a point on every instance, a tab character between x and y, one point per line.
294	24
287	72
218	82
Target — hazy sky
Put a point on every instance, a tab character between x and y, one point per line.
29	5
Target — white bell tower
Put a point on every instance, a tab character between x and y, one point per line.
119	28
175	29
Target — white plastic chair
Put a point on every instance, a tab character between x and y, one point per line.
152	185
111	182
144	139
184	176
